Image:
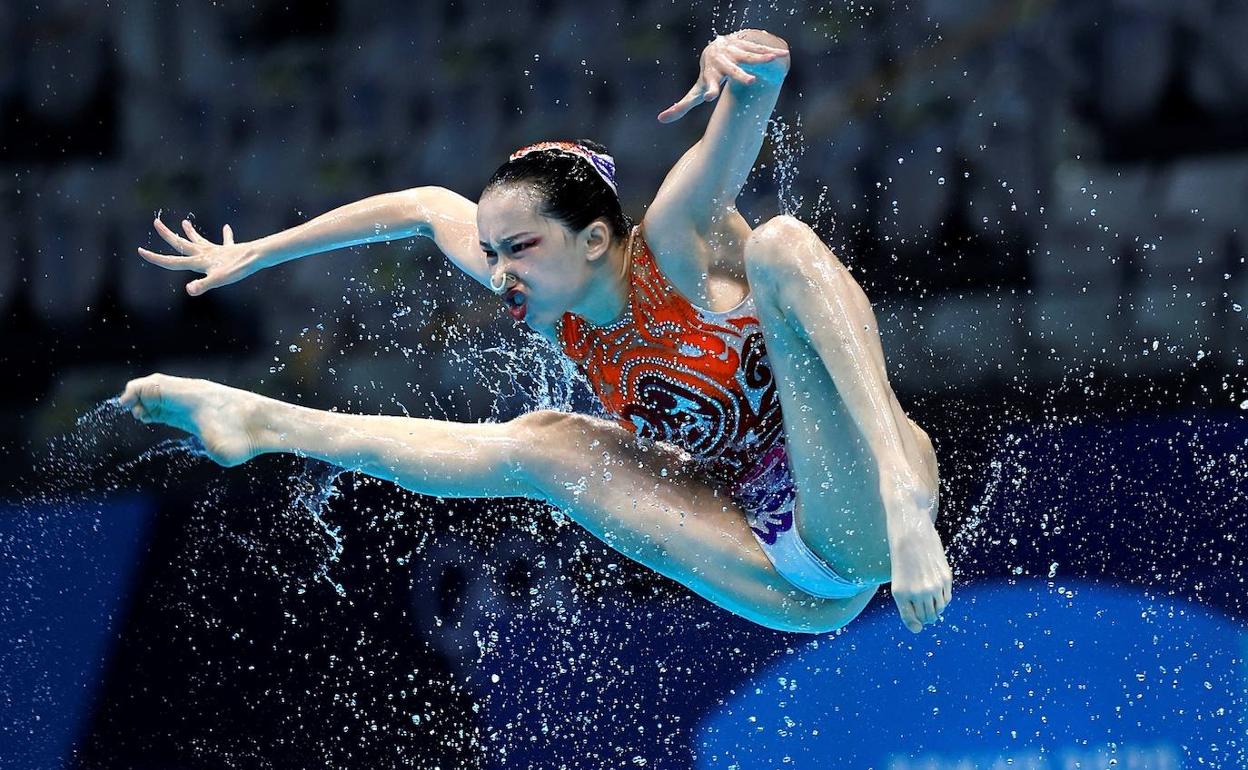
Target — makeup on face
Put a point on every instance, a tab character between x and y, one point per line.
515	299
521	246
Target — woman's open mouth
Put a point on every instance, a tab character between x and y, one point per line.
516	304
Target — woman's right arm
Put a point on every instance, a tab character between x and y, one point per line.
437	213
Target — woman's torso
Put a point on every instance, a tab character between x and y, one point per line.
672	371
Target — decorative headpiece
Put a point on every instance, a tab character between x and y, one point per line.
602	163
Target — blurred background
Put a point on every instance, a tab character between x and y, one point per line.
1042	199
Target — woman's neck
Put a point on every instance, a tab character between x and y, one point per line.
607	299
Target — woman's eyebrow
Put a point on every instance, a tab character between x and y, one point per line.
509	238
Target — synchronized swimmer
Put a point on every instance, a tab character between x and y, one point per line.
757	455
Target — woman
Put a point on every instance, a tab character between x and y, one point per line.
783	480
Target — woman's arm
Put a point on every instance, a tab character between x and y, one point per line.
449	219
702	188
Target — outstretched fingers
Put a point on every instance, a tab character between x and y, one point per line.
705	90
189	250
708	87
693	98
197	253
173	239
722	59
193	234
762	48
730	68
754	57
172	262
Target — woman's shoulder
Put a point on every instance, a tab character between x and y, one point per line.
708	269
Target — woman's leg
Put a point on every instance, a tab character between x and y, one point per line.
824	348
433	457
647	503
642	501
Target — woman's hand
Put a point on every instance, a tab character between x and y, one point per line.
731	56
922	581
222	263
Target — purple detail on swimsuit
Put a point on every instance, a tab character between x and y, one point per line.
767	495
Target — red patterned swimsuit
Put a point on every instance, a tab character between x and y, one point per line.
670	371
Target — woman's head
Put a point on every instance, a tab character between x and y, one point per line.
574	180
547	218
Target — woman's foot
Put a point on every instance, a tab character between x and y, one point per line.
226	420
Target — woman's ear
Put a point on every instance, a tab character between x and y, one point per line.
597	237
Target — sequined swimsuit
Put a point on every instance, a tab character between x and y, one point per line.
699	379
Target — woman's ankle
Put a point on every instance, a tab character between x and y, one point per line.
267	424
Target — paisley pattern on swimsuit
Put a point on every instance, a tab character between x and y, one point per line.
767	495
670	371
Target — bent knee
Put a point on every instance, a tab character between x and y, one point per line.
777	232
783	247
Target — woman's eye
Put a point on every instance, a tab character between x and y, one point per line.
490	255
521	246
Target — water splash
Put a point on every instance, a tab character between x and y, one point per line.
788	147
314	489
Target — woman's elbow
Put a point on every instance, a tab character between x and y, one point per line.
419	206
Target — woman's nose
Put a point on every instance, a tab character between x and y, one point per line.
501	280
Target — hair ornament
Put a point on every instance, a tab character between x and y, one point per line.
602	163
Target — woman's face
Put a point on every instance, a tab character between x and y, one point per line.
548	261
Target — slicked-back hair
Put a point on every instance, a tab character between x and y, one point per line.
570	189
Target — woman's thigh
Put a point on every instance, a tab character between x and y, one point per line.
840	513
647	502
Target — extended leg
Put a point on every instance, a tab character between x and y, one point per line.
643	501
433	457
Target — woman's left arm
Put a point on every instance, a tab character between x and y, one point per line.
703	185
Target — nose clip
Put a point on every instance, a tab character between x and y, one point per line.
508	281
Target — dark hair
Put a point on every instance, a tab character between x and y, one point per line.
571	190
